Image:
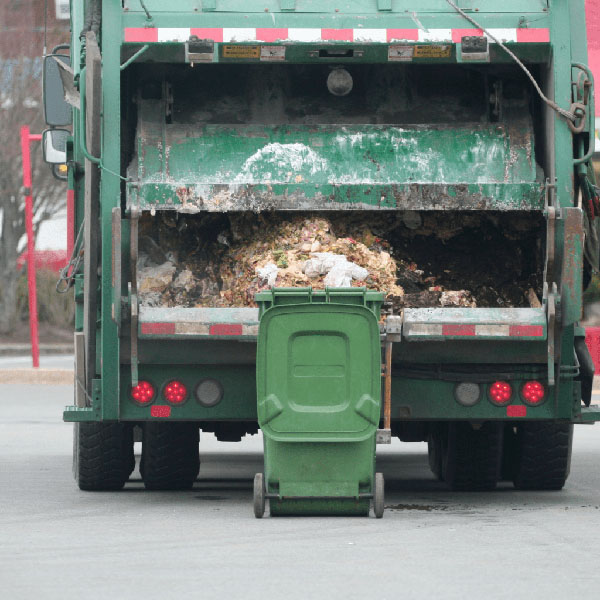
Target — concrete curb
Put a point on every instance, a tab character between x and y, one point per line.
37	376
25	349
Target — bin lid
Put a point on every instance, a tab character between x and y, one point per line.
318	372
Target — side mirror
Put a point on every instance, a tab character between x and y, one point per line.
57	111
54	146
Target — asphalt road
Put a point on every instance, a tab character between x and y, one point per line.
58	542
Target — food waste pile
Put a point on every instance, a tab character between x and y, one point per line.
417	259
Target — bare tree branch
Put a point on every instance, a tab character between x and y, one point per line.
20	104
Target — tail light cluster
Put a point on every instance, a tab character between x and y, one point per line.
208	392
143	393
533	393
175	392
500	393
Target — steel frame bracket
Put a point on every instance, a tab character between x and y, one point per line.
133	295
552	297
116	267
393	333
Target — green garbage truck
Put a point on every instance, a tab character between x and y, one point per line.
431	160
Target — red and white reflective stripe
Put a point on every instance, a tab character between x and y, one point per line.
275	34
196	328
471	330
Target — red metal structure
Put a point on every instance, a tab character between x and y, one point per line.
52	260
593	33
26	139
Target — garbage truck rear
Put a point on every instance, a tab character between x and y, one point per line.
449	140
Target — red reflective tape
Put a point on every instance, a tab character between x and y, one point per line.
141	34
342	35
158	328
459	34
539	35
526	331
402	34
160	411
516	410
458	329
208	33
271	34
226	329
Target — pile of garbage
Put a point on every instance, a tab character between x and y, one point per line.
222	260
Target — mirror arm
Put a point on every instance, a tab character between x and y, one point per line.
60	47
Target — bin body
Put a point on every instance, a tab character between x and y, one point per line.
319	400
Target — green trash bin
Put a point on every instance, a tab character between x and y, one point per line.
319	401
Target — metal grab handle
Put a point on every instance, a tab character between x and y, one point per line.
589	110
387	383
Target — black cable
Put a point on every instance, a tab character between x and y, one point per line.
148	15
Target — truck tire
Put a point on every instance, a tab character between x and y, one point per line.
472	457
102	455
435	449
509	453
543	455
170	458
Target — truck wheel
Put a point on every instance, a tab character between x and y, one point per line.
472	457
435	447
170	458
379	496
102	455
259	496
509	453
543	455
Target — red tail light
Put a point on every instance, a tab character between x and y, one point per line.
500	393
175	392
143	392
533	393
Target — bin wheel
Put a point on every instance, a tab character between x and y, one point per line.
379	496
259	496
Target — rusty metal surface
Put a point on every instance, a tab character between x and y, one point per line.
571	274
476	316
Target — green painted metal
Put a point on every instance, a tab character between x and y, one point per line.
239	392
253	167
430	400
430	397
319	401
75	414
233	361
589	414
333	9
308	53
109	353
